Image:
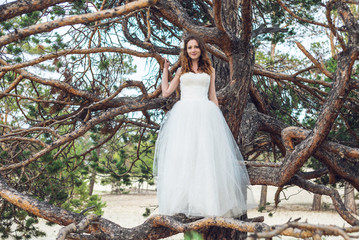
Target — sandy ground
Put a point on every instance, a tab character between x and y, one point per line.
126	210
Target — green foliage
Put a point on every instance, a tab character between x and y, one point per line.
81	201
58	11
26	227
104	64
79	7
195	11
29	19
193	235
59	43
271	14
147	212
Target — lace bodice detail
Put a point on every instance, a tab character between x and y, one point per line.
194	85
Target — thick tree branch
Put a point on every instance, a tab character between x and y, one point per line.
217	12
262	29
338	164
11	86
13	9
246	10
71	228
258	70
332	193
326	118
41	209
169	225
288	134
174	12
83	18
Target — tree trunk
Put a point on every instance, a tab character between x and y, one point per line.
317	202
263	199
93	175
92	182
349	198
241	64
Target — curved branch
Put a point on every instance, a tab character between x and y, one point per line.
217	8
177	15
146	45
32	129
83	18
128	83
23	139
313	174
110	114
262	30
320	66
216	52
41	209
289	133
75	51
299	18
58	84
12	86
40	100
83	224
332	193
350	21
309	230
327	116
258	70
13	9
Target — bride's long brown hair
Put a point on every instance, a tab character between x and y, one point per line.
204	63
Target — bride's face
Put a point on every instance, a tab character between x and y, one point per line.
193	50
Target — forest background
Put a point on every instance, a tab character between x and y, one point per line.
71	112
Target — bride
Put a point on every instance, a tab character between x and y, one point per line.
200	170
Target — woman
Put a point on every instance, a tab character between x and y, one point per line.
200	168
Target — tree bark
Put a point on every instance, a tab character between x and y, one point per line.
241	64
317	201
349	198
13	9
215	233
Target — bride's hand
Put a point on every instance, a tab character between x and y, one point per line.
167	64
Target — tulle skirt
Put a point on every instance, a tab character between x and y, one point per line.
198	166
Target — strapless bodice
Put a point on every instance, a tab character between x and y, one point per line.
194	85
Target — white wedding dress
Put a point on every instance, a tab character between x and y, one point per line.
198	165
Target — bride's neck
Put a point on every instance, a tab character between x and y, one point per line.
195	66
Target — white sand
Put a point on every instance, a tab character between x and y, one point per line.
126	210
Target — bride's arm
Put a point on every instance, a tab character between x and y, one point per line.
212	89
168	89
